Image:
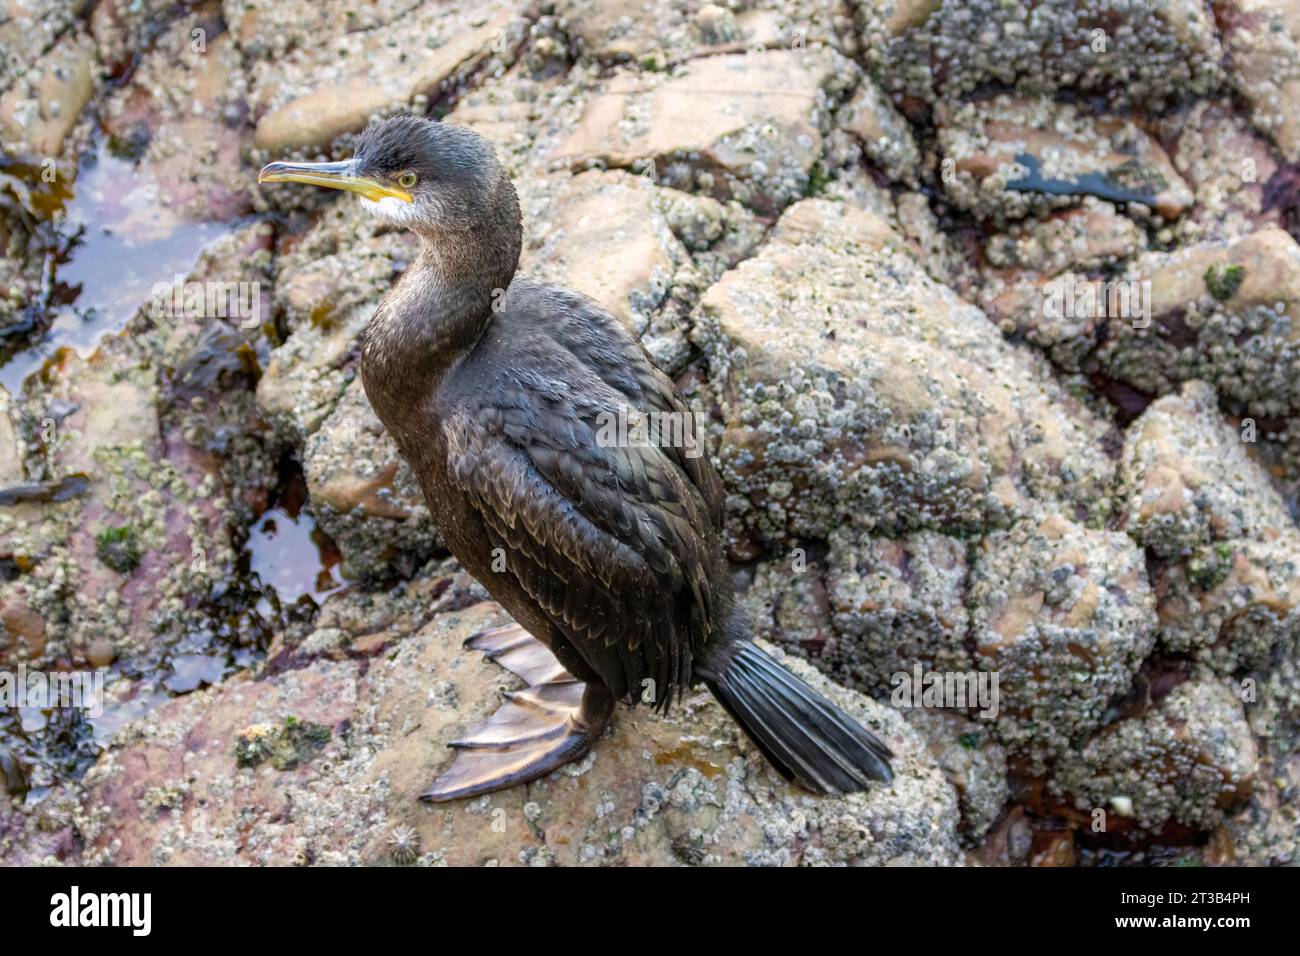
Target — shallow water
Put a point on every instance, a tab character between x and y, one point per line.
116	243
290	554
122	242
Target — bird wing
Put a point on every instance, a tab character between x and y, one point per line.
602	343
612	543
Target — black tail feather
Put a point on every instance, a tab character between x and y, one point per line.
804	736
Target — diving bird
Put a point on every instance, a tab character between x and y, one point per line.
608	553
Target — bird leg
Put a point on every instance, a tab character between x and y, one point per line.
554	720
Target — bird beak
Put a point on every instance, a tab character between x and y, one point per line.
332	175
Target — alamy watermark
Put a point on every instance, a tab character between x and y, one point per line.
39	690
1072	297
632	428
957	690
208	300
133	911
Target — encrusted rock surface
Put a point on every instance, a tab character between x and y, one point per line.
758	141
1188	760
1064	616
223	777
1010	156
1228	582
1125	52
854	388
990	311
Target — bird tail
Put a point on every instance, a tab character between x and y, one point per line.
804	736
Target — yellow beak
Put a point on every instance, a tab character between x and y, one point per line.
332	175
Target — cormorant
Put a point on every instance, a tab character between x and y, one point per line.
609	554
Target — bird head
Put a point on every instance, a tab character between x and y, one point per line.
414	172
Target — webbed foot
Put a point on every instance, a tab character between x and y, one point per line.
554	720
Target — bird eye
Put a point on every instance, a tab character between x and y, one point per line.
406	180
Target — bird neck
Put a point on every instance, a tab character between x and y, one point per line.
440	307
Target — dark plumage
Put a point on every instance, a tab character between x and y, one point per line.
495	388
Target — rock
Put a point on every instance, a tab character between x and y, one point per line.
1262	42
525	115
22	629
269	31
659	36
786	603
938	251
756	143
150	446
114	562
1187	760
1224	313
895	602
687	789
1125	53
113	436
314	357
39	110
332	280
183	115
11	449
206	367
886	138
1229	587
1228	166
1233	605
974	763
1012	156
363	494
123	29
605	234
1086	237
100	653
28	31
1187	479
1036	266
855	390
718	235
1064	616
362	622
1264	833
697	221
315	93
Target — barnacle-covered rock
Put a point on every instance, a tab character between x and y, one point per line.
605	234
1224	312
757	143
1187	760
321	761
974	763
310	95
363	494
182	117
1064	617
1228	584
1188	480
855	389
41	106
1008	157
895	602
145	456
1262	42
659	36
1129	53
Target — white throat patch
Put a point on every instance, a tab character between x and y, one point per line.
390	209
